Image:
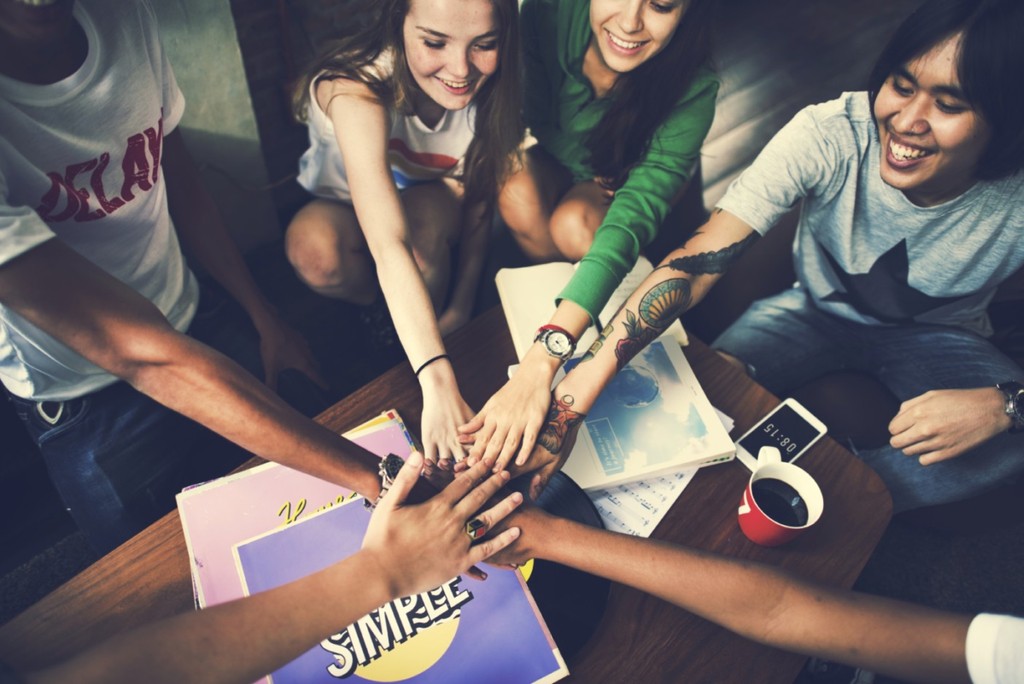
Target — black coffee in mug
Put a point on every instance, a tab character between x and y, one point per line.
780	502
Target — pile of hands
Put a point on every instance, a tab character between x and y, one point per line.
536	437
420	546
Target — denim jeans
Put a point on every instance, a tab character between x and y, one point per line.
786	341
117	458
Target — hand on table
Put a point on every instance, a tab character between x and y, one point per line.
943	424
510	421
420	546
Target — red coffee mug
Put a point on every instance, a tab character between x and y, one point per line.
768	518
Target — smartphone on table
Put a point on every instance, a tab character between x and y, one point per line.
789	427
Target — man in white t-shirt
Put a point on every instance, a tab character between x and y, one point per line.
96	191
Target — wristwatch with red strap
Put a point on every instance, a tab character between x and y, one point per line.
557	341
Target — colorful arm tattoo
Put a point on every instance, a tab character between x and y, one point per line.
663	303
598	343
561	418
712	262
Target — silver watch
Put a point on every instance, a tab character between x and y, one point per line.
1013	393
388	471
557	341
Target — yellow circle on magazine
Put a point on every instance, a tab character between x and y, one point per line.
527	569
412	657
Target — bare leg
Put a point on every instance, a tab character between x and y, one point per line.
528	199
434	213
577	217
326	247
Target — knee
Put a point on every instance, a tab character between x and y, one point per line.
317	257
519	208
314	254
573	225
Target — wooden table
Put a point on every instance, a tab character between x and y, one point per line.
640	639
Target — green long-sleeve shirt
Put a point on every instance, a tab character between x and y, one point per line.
561	110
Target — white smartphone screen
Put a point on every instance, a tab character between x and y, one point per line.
789	429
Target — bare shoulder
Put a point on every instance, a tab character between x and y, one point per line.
344	92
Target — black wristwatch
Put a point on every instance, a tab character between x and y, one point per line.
388	470
557	341
1013	392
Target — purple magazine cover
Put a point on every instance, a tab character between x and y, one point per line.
464	631
218	514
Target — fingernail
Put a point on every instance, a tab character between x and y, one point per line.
505	475
517	497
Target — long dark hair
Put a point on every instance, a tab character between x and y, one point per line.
498	126
642	99
990	62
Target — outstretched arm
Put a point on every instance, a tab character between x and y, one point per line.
679	282
361	125
119	330
761	603
205	237
511	420
407	549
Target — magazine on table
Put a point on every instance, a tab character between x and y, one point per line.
637	507
652	419
462	631
218	514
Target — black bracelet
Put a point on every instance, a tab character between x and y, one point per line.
430	361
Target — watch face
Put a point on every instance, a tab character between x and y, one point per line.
558	343
1014	392
390	465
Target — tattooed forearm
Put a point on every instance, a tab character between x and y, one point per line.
561	419
659	307
598	343
665	302
712	262
637	337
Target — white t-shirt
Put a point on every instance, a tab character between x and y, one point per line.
863	250
80	160
995	649
416	153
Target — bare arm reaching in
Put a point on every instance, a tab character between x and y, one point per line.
407	549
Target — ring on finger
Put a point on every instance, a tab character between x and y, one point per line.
476	528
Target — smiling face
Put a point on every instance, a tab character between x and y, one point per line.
931	137
40	41
627	33
451	47
35	21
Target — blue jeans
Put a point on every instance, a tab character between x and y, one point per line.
117	458
786	341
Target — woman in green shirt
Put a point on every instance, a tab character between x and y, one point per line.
619	97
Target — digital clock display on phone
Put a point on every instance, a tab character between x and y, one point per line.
785	430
